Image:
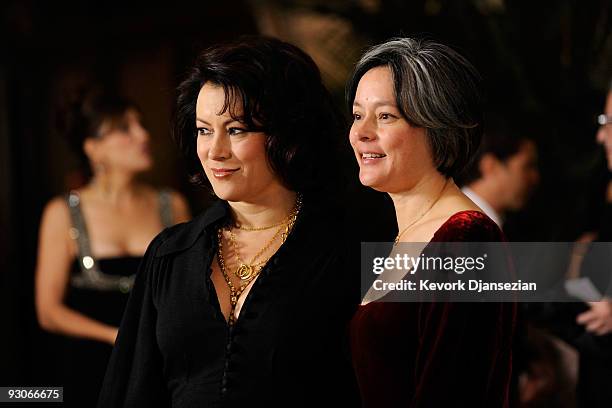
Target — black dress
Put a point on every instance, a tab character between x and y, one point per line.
82	362
99	289
288	346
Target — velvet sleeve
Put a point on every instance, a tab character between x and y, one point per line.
464	355
134	377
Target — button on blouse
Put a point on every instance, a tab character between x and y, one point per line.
288	347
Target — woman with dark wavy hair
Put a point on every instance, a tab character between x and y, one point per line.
248	304
417	122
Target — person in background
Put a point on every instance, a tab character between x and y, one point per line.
587	326
595	340
501	179
92	240
504	173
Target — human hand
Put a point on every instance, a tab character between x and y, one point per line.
112	335
597	320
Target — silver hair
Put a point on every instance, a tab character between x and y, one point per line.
436	88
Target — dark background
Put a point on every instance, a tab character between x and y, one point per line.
546	65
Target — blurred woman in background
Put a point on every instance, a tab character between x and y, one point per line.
92	240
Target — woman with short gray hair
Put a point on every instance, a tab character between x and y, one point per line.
417	123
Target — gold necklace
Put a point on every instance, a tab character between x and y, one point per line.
243	228
234	292
246	269
278	224
397	238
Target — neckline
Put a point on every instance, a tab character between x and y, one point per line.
452	217
258	281
114	258
433	239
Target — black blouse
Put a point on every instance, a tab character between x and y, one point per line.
288	346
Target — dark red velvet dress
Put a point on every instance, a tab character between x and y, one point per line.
436	354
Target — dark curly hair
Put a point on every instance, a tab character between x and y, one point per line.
279	88
86	112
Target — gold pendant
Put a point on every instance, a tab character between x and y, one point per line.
244	271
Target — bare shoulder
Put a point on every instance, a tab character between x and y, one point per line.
55	225
56	213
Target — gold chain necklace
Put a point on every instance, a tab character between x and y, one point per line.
397	238
298	203
243	228
246	269
236	292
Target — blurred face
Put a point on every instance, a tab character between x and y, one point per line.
604	134
122	146
233	157
519	175
392	155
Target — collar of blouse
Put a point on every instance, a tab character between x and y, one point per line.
183	236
